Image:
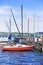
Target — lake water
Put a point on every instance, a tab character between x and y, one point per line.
21	58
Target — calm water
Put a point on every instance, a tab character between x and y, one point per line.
21	58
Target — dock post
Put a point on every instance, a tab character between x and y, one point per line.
42	43
33	40
37	44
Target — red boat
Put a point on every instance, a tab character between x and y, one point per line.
18	47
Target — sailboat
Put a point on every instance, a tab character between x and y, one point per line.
20	46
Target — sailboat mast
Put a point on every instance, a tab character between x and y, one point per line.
10	26
34	28
38	26
15	21
28	26
22	21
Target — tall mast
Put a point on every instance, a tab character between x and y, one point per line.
38	26
34	27
10	26
22	21
28	26
7	26
15	21
28	30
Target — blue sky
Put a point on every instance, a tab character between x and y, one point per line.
31	8
30	4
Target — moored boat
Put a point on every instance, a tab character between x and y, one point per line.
18	47
21	46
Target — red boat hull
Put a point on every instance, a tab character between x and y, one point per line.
30	48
